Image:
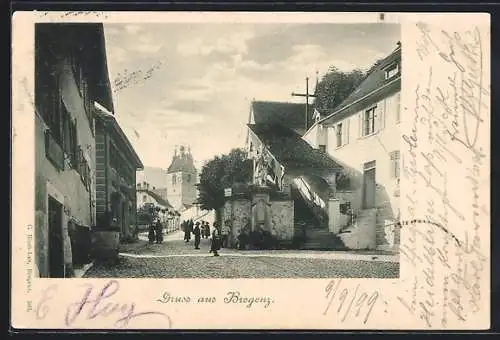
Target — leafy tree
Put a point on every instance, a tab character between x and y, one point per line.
222	172
335	86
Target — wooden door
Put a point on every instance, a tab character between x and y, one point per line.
56	245
369	188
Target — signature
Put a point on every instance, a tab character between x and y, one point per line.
97	303
350	303
76	13
126	79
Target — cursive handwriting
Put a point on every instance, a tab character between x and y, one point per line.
67	14
349	303
445	150
125	79
42	308
96	304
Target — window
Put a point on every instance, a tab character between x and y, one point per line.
369	121
394	164
339	134
322	148
188	178
174	179
391	71
144	198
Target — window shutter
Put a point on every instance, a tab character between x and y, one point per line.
380	119
66	130
345	133
360	123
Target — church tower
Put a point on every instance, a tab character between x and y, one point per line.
181	179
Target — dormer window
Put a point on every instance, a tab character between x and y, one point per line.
391	71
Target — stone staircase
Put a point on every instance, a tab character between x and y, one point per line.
318	238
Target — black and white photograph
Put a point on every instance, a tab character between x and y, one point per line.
206	150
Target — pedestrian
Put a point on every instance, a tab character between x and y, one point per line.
159	230
191	227
197	235
215	243
226	229
207	230
185	227
151	233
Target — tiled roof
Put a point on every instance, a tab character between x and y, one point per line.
291	115
374	80
157	198
293	152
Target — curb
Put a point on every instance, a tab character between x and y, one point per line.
79	273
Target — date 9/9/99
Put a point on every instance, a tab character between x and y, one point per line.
348	303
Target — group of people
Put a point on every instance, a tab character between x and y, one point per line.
202	230
156	231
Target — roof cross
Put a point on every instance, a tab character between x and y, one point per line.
307	95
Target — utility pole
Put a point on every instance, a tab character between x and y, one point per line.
307	95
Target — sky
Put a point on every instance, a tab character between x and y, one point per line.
192	84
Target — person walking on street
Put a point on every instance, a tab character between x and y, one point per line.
185	227
207	230
215	242
159	230
190	228
197	235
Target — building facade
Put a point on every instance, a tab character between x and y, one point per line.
181	180
70	74
363	134
116	166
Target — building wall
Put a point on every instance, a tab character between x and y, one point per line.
109	181
101	183
239	212
282	225
66	185
376	147
183	191
143	197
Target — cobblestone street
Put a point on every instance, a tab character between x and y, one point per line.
177	259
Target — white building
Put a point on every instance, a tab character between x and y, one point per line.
363	134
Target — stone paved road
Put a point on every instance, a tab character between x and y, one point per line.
177	259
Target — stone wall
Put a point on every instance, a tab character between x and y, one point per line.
282	220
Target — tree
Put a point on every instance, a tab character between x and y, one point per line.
220	173
335	86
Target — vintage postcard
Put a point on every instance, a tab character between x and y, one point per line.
210	170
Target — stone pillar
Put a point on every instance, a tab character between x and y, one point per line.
260	208
333	205
333	215
330	179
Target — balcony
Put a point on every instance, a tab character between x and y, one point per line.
54	151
